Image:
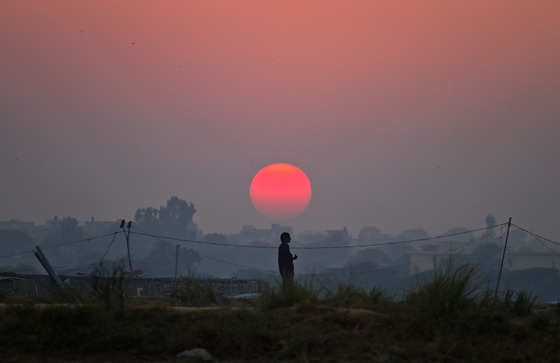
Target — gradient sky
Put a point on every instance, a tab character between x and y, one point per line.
404	114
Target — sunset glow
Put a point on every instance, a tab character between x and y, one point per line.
406	114
280	191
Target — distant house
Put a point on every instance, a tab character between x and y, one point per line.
251	233
18	225
93	227
523	260
341	235
421	261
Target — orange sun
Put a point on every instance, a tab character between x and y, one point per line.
280	191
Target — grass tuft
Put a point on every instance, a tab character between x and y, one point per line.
444	318
194	292
109	286
287	296
351	296
447	292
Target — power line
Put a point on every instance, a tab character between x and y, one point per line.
399	242
109	247
539	240
493	230
79	241
447	252
60	245
547	247
142	233
16	254
536	235
161	239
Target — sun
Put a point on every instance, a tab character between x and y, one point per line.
280	191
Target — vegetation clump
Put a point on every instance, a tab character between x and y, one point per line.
109	286
194	292
448	317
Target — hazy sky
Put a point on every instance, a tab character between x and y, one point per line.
404	114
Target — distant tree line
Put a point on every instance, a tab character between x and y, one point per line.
386	266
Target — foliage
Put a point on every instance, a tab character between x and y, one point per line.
445	293
193	292
490	220
173	220
68	294
163	256
288	295
519	303
347	295
298	324
109	286
64	230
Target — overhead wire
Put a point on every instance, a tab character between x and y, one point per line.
447	252
424	239
16	254
110	244
77	241
59	245
493	230
196	241
161	239
435	255
536	235
539	240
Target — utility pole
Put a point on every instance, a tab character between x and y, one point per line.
47	265
176	261
127	236
503	257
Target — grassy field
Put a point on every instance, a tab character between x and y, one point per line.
443	319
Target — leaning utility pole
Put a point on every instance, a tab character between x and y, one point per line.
47	265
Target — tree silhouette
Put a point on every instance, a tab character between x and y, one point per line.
64	231
490	220
161	260
173	220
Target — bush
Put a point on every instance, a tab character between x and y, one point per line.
287	296
194	292
67	294
350	296
447	292
519	303
109	286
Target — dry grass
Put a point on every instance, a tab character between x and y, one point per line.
442	319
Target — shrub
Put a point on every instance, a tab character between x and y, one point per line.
194	292
519	303
67	294
350	296
287	296
109	286
447	292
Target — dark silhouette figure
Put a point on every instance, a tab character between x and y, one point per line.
286	260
